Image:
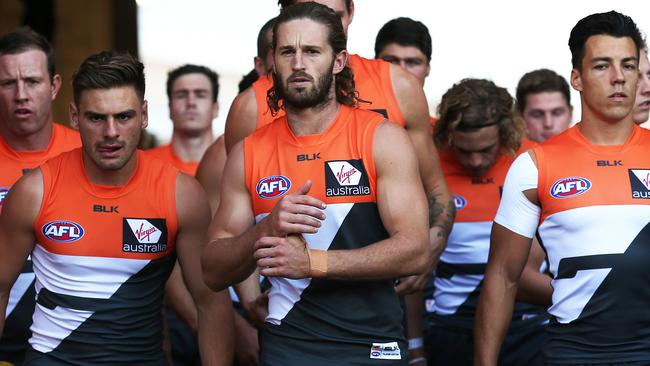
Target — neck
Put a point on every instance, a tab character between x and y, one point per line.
600	131
105	177
39	140
191	148
312	121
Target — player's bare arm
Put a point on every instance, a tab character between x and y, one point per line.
19	213
210	171
242	118
215	314
228	257
535	286
442	211
402	208
507	258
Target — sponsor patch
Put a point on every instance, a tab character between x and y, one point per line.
570	187
385	351
273	186
144	235
640	183
63	231
346	178
4	191
459	202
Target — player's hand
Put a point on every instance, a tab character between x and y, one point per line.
295	213
247	347
258	309
412	284
282	257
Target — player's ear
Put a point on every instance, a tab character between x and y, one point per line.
576	80
73	112
145	115
340	61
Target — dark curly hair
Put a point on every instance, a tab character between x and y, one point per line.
472	104
344	81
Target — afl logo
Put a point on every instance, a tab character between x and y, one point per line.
63	231
459	202
273	186
570	187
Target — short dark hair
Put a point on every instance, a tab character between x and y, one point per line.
405	32
25	39
344	82
284	3
539	81
193	69
106	70
473	104
612	24
263	45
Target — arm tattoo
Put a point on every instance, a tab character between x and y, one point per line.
436	217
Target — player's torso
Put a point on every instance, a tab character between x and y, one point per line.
102	257
459	274
595	229
340	165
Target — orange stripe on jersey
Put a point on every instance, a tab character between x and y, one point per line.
14	163
339	161
79	218
601	168
167	154
477	198
372	81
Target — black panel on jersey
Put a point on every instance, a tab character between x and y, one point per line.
13	343
614	325
336	318
126	329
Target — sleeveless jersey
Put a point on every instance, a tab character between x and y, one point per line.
459	274
166	153
372	81
20	307
102	257
595	228
312	318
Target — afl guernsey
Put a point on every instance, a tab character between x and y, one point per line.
595	228
312	320
166	153
102	257
372	81
459	274
20	307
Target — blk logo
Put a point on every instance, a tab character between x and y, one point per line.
570	187
63	231
105	209
273	186
308	157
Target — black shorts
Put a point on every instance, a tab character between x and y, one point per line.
449	345
284	351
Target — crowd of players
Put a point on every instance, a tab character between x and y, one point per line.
353	227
